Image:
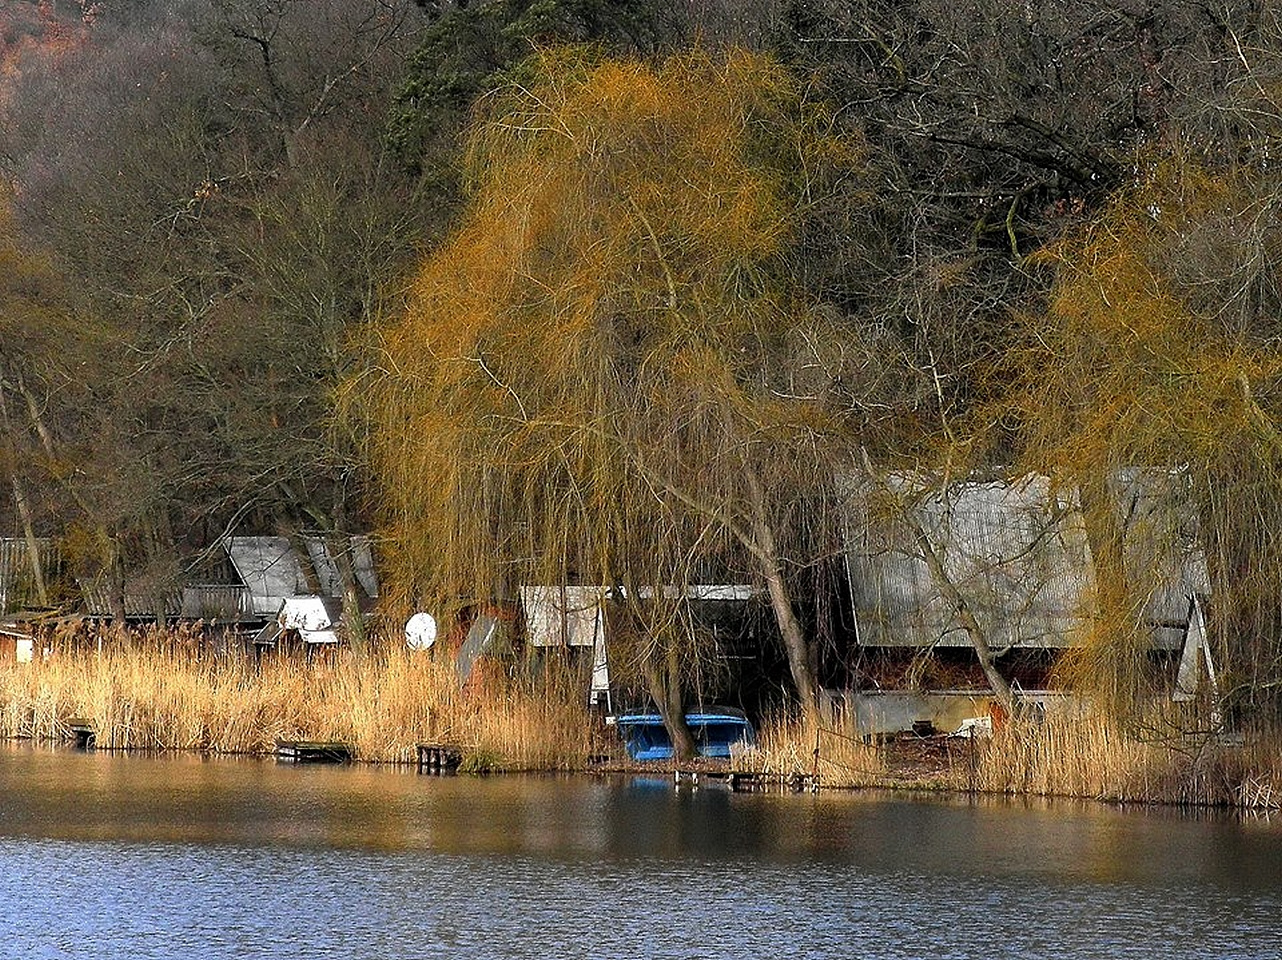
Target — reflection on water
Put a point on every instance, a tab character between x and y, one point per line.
110	856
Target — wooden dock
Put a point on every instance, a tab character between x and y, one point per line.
747	781
439	758
82	732
314	751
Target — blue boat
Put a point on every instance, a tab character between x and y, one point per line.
715	731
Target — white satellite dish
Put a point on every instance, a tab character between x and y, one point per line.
420	631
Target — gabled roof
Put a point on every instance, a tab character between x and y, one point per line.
269	567
272	570
1018	553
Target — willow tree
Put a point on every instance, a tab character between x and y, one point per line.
605	375
1142	396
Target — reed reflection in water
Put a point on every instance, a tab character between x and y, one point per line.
108	856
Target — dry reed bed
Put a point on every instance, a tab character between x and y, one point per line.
171	692
833	752
1089	756
1083	756
140	694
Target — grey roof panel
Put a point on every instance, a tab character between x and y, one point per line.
269	569
1018	554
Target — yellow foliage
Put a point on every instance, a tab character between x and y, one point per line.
1127	380
1120	371
602	328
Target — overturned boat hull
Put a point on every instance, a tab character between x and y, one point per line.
714	731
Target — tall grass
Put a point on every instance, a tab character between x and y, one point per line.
171	690
1075	754
1090	756
832	751
168	690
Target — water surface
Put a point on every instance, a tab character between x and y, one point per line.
107	856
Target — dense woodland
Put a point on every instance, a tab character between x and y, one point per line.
622	292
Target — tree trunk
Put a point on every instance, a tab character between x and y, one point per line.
759	541
113	564
339	546
800	662
33	542
974	631
311	577
23	506
659	660
116	585
662	671
1104	538
1117	666
37	418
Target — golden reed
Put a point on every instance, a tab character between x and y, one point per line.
1090	756
831	751
168	690
1083	755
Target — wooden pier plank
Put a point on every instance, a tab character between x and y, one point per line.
743	781
439	758
314	751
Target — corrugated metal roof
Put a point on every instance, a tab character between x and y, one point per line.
216	601
1017	553
269	568
17	586
139	604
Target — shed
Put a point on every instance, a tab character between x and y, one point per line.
311	619
272	570
1017	551
269	569
573	616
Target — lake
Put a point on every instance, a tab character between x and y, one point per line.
109	856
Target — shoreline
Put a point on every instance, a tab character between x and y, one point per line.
383	704
906	780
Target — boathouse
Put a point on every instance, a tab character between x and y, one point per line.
247	580
1016	555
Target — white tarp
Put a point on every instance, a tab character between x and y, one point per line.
571	617
313	617
563	616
